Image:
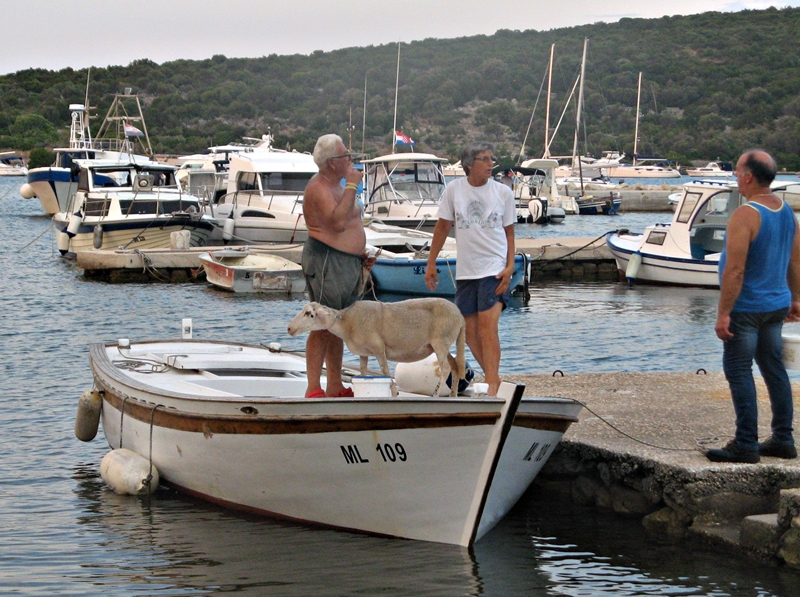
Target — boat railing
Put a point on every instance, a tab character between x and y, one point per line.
249	197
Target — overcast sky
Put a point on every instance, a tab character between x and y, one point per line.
55	34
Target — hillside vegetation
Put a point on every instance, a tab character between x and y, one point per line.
713	85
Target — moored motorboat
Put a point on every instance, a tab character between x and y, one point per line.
712	169
136	206
242	270
54	185
608	205
404	273
417	467
686	251
538	199
404	189
12	164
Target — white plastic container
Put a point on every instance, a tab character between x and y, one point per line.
791	351
372	386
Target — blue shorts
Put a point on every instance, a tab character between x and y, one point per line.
474	296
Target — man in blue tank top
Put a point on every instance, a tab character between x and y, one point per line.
759	290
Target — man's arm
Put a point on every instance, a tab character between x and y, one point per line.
505	275
793	275
742	228
440	233
327	211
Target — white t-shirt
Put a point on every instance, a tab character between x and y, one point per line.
479	215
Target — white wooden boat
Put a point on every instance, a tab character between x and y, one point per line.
131	205
240	270
404	189
686	251
228	423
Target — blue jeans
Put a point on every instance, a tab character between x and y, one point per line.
758	336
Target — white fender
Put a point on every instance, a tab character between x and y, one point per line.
97	236
126	472
63	242
536	210
421	377
88	417
27	191
74	224
633	266
228	227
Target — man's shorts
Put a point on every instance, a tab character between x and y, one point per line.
333	278
474	296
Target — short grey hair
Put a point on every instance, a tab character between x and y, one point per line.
326	148
472	150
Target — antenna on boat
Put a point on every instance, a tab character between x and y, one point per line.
364	121
350	129
396	85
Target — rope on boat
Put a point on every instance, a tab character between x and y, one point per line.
146	481
149	268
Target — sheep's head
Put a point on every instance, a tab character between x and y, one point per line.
312	317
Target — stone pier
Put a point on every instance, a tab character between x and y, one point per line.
638	450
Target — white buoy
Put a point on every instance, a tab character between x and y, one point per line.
420	377
227	228
127	473
633	266
63	242
88	417
74	224
97	236
27	191
536	210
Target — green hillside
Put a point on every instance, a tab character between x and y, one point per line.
713	84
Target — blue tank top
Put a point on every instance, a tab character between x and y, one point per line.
765	286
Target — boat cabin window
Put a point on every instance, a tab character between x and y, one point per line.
291	182
656	237
153	206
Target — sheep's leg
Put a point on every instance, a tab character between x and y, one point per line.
443	355
385	370
364	361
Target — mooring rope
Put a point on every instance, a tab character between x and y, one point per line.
149	477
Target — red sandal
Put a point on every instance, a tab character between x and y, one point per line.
318	393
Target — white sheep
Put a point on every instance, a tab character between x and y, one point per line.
404	332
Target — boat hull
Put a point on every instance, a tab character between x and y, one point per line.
601	206
402	275
661	269
415	467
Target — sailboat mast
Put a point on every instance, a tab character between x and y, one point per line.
396	85
575	153
547	109
636	129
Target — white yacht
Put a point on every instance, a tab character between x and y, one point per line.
712	169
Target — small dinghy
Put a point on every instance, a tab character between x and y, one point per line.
242	270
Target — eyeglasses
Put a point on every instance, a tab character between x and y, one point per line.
349	156
485	160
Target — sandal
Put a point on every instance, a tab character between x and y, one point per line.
318	393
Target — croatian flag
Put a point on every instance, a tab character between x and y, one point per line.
402	139
132	131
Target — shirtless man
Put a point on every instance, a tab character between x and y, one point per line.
333	256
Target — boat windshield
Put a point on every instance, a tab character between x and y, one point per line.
289	182
717	206
411	181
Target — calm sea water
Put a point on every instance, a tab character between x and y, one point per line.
65	533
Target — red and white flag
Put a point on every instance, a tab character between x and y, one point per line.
131	131
402	139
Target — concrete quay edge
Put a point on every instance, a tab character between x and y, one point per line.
651	463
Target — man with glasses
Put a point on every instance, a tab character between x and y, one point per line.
333	256
759	290
484	215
